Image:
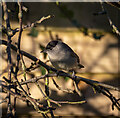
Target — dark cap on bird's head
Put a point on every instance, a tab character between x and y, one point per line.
50	46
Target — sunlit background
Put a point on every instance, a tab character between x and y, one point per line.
88	34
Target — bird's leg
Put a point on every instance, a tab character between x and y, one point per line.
73	73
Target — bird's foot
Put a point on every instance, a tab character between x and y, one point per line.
73	73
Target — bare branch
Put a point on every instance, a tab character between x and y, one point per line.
61	73
12	32
35	23
40	108
6	18
18	52
15	88
4	100
60	88
115	29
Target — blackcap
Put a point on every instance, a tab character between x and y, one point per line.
62	56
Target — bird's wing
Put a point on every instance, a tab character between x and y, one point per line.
75	56
78	60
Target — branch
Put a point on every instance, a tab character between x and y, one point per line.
40	108
114	4
24	73
61	73
99	87
4	100
115	29
12	32
6	18
33	24
18	52
32	67
60	88
88	81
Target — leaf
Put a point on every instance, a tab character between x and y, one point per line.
43	71
66	78
57	3
33	32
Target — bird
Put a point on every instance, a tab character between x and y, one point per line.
62	56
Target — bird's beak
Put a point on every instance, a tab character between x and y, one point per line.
43	51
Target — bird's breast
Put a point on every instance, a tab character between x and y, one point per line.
62	60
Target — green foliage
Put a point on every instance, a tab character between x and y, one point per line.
33	32
66	78
57	3
43	71
24	70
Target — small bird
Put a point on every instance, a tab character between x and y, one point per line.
62	56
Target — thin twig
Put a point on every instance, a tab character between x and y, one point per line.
12	32
46	97
67	102
38	85
60	88
4	100
44	94
92	83
29	69
47	93
77	88
24	74
88	81
18	50
38	107
114	4
35	23
35	79
6	18
115	29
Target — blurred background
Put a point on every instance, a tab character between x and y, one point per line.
88	33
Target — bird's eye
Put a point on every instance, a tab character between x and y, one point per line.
48	47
